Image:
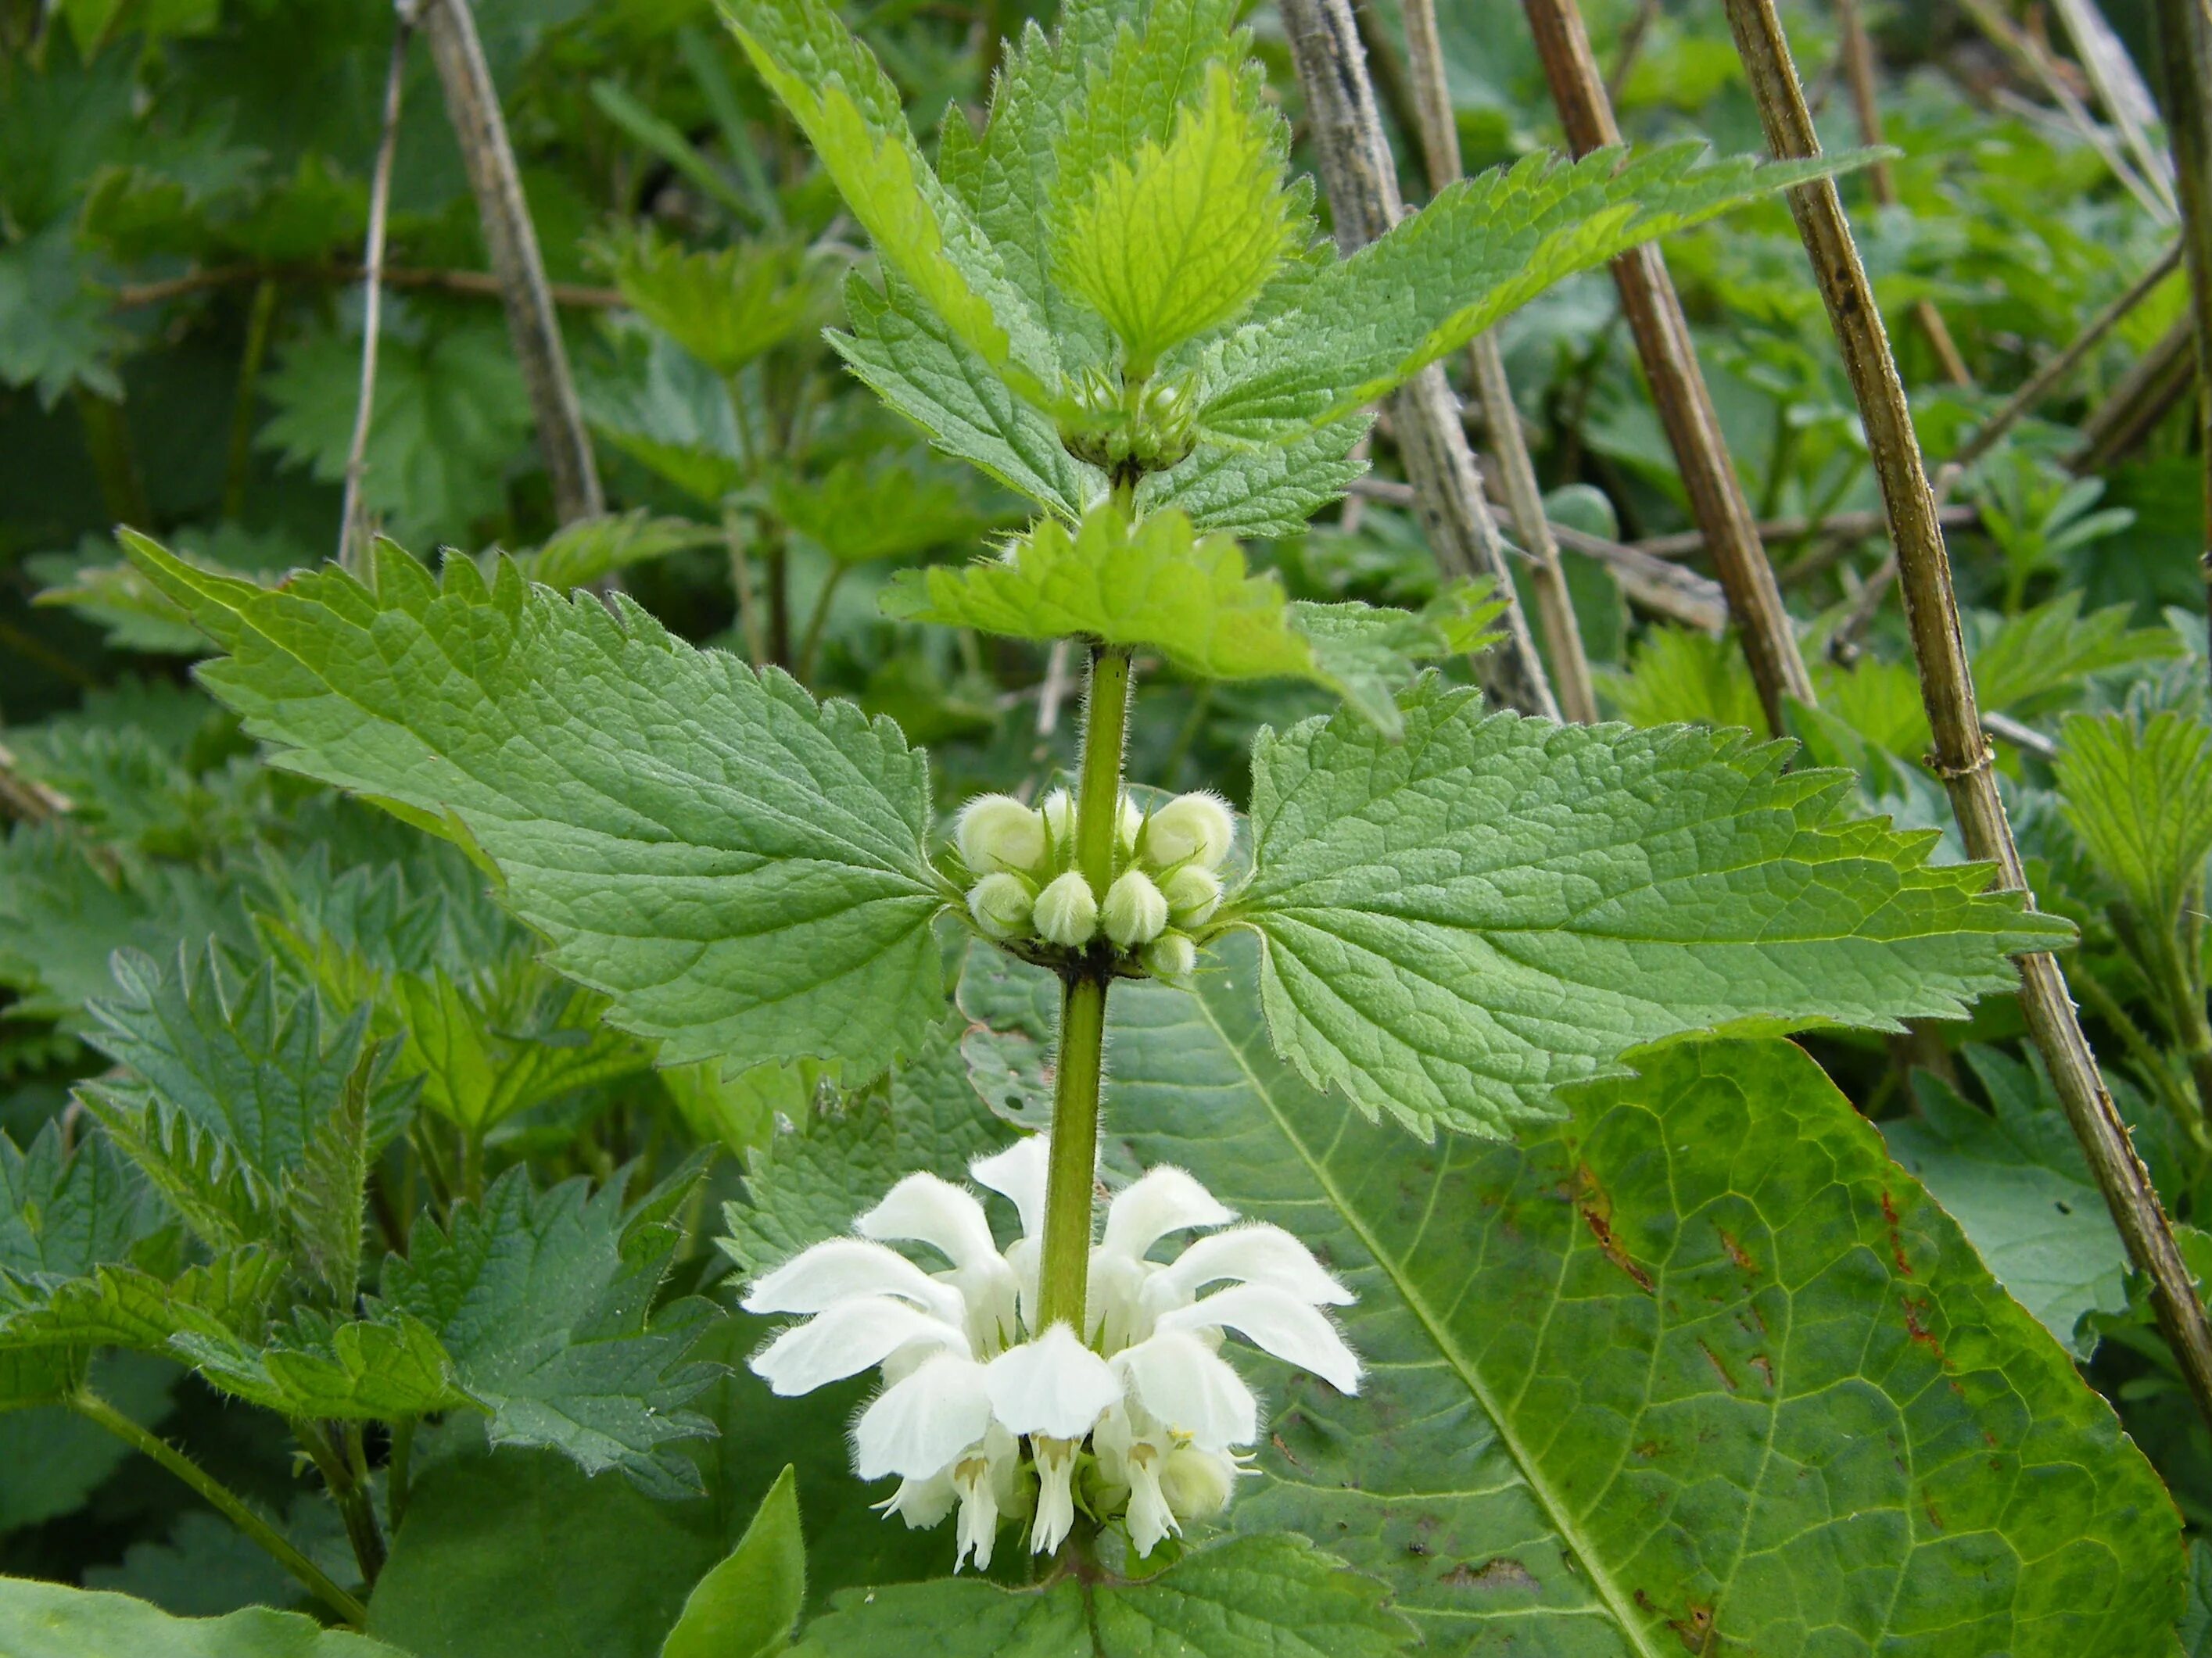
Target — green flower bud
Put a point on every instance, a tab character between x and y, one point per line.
998	832
1058	810
1000	904
1194	893
1067	912
1128	824
1134	912
1171	956
1191	827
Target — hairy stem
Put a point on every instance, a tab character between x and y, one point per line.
1066	1269
226	1501
344	1467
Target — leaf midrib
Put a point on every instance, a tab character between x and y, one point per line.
1631	1631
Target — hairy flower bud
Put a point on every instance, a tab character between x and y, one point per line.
1000	903
1058	810
1066	912
1194	893
1191	827
998	832
1171	955
1128	824
1134	912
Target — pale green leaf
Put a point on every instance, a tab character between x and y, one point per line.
1179	238
1458	924
1679	676
1271	1597
546	1300
728	306
387	1368
2017	1185
1480	249
584	553
746	1607
2024	662
2140	794
1696	1369
50	1620
859	511
738	869
1259	492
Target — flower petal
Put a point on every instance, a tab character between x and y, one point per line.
1258	1253
1018	1174
1162	1200
1053	1385
923	1209
1279	1323
844	1267
921	1426
1191	1389
847	1337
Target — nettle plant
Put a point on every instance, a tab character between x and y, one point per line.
1586	1315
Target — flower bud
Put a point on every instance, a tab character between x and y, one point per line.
1000	904
1196	1483
1191	827
1128	824
1134	911
1171	956
1067	912
1058	810
998	832
1194	893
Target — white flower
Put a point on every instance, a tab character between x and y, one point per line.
972	1388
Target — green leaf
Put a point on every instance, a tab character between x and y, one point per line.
49	1620
1179	239
546	1300
1157	585
747	1606
588	551
125	1305
1252	1597
2196	1630
670	412
728	307
1679	676
1458	924
914	363
56	1459
859	511
1696	1368
1259	492
2140	794
738	869
386	1368
2017	1185
2024	662
853	116
1481	248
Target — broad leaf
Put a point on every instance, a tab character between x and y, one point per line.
1696	1368
739	869
49	1620
2016	1184
745	1607
589	550
1260	492
1458	924
728	307
1253	1597
2025	662
1482	248
386	1368
2140	792
546	1300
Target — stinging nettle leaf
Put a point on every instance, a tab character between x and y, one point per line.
2140	793
739	869
1458	925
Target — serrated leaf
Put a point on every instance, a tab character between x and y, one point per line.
1272	1596
1157	585
1697	1367
588	551
670	412
853	116
725	307
2140	794
745	1607
1178	239
2016	1184
860	510
1260	492
739	869
2024	662
910	360
546	1300
387	1368
50	1620
1457	925
125	1306
1442	276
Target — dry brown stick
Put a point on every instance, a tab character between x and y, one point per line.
2185	41
1493	393
2139	401
1362	182
353	514
26	798
1836	526
1962	754
2119	88
1843	644
472	105
1859	76
1678	386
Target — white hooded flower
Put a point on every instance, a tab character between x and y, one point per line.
970	1381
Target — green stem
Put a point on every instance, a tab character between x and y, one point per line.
1066	1269
226	1501
345	1474
238	466
815	623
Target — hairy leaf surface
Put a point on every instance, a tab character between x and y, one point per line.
2140	792
1458	924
